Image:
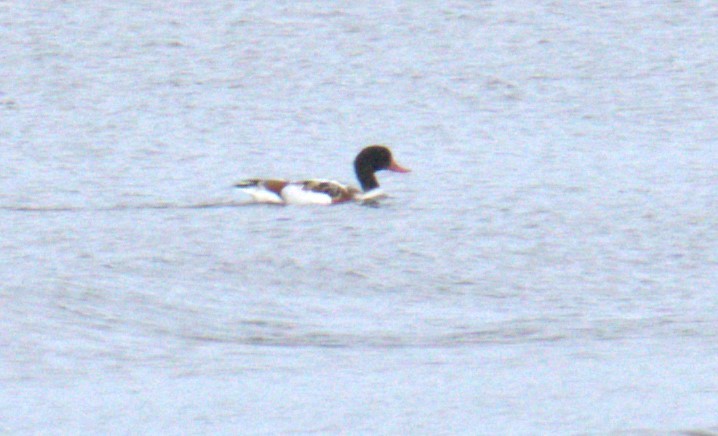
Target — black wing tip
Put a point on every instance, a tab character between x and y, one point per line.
246	183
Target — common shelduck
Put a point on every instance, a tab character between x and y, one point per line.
318	191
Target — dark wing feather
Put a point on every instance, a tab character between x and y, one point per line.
335	190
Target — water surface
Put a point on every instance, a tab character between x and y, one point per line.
549	266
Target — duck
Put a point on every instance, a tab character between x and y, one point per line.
370	160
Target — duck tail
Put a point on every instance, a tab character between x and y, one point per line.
249	183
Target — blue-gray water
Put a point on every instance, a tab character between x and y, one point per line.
549	266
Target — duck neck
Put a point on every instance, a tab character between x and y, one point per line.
366	177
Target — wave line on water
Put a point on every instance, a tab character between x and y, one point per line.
123	207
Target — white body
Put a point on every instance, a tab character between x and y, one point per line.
296	194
